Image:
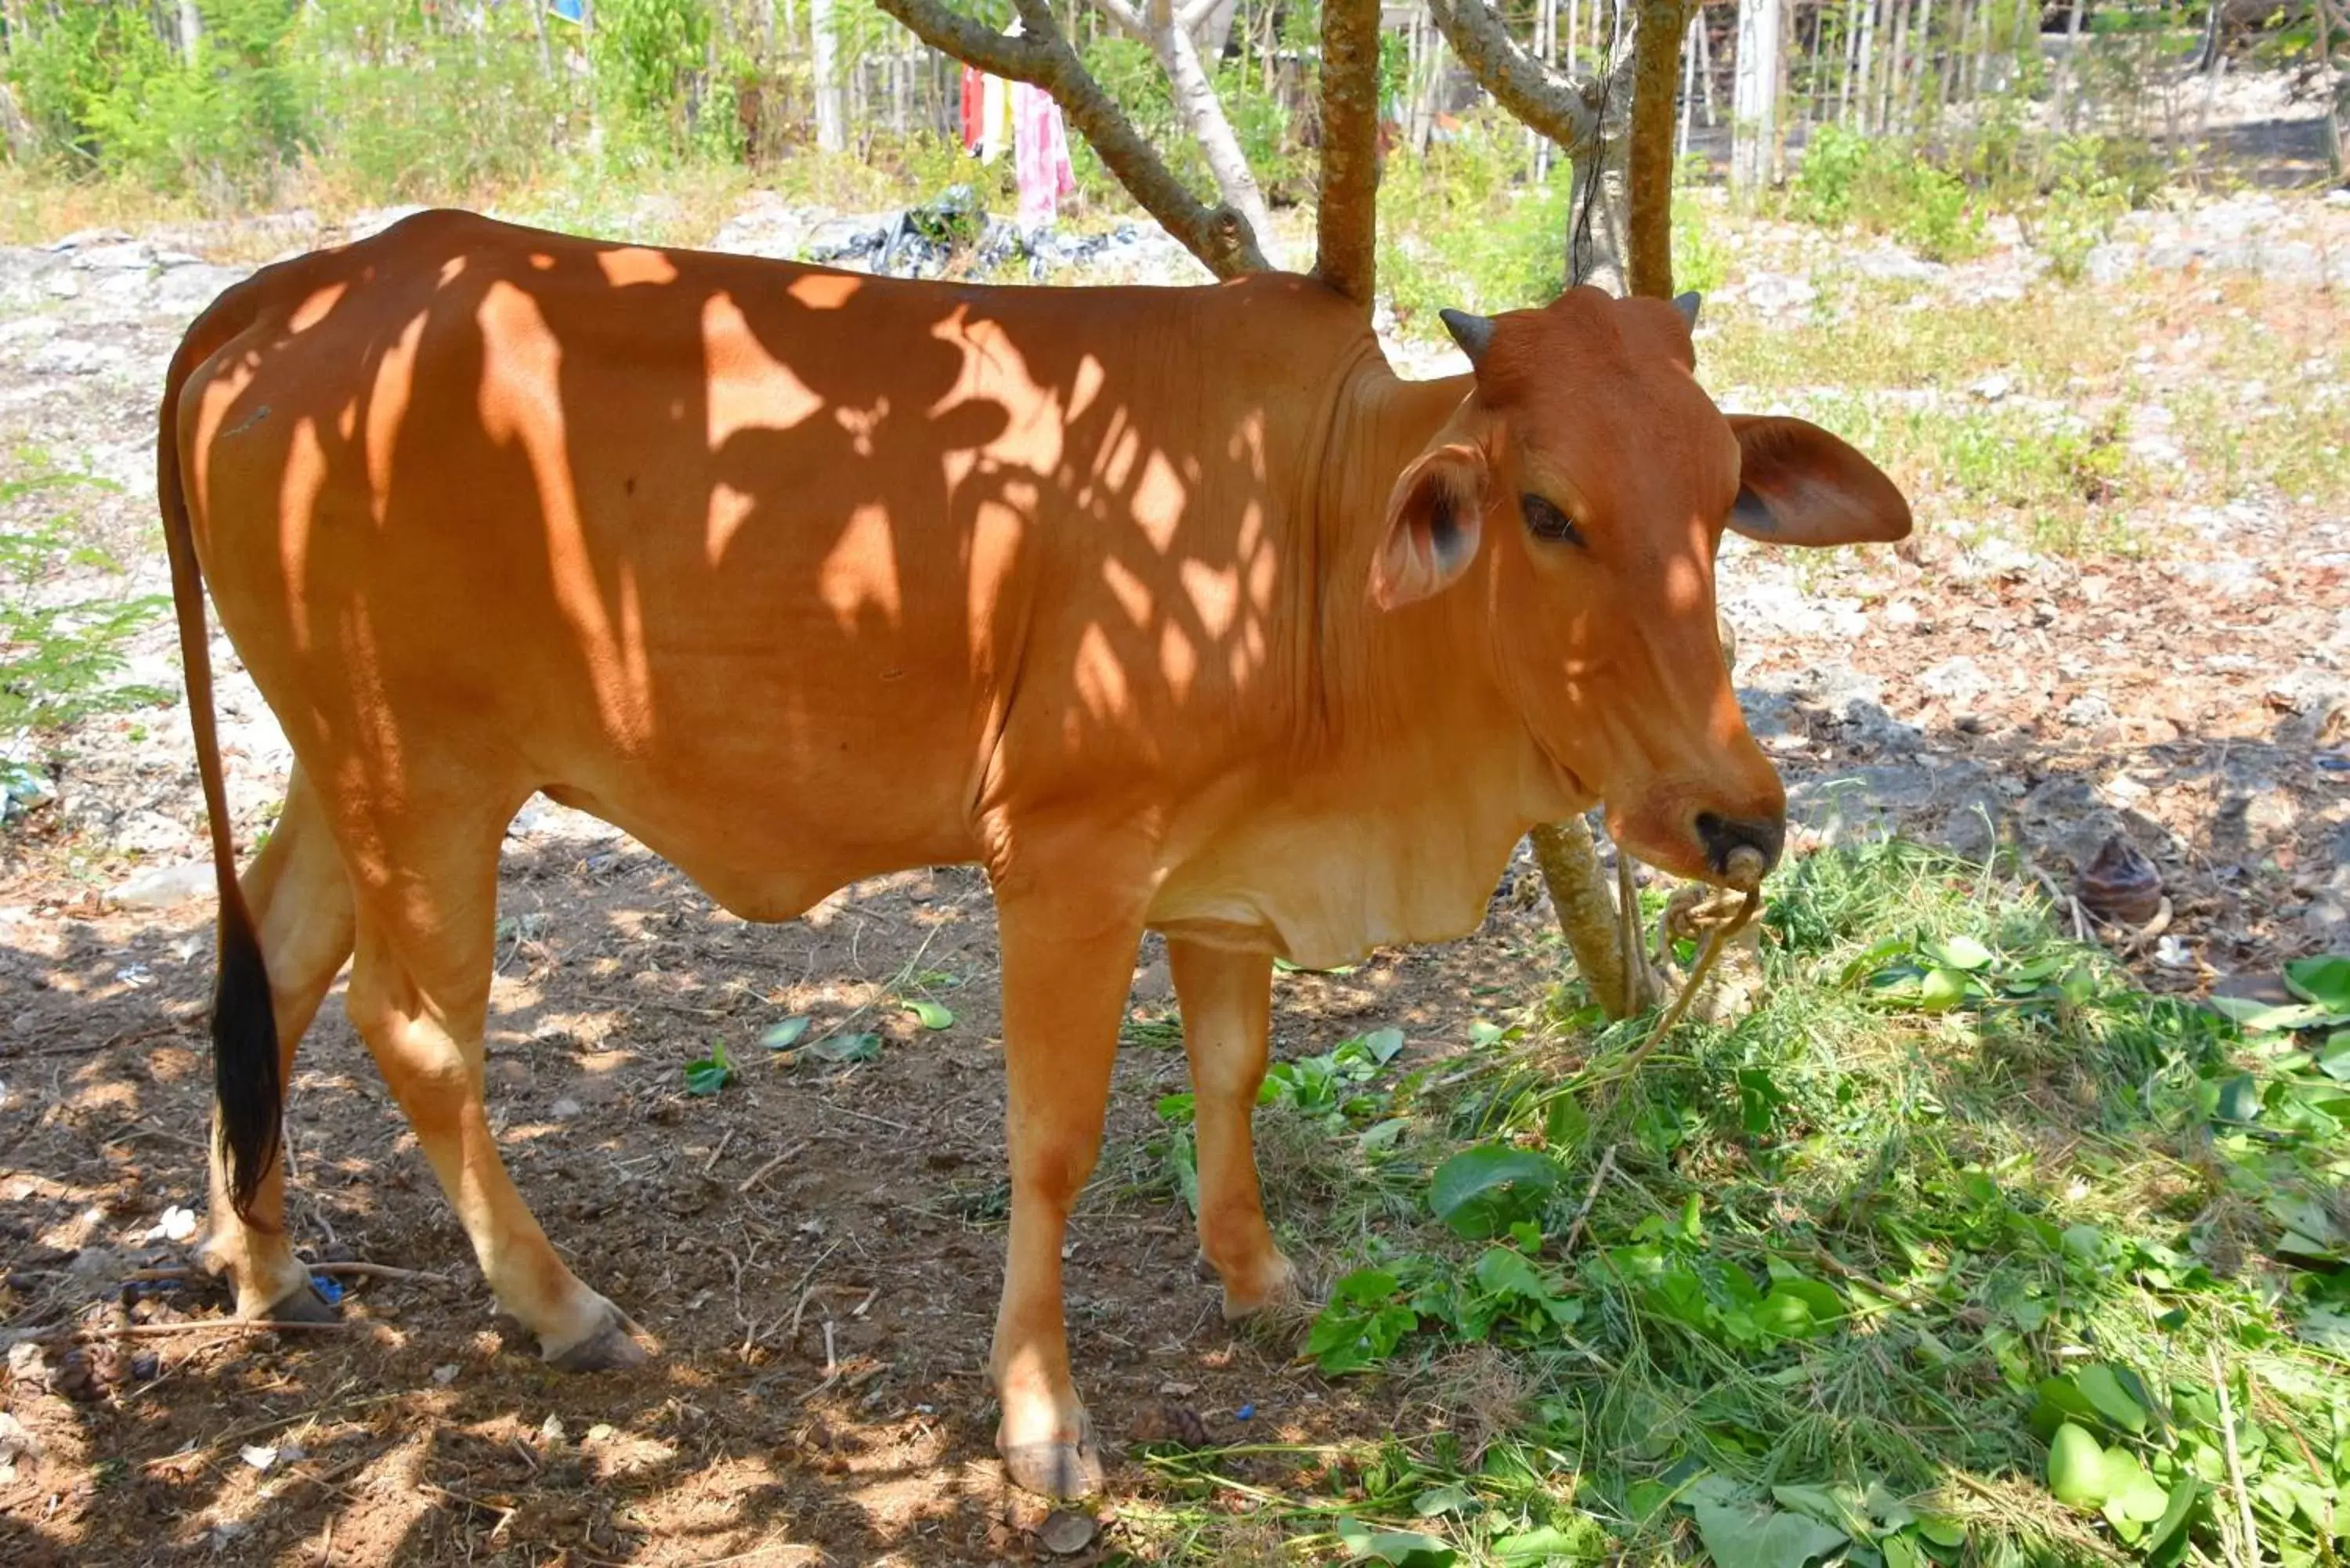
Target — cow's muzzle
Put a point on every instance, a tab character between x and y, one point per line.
1741	850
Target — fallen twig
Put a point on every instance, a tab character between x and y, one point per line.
197	1325
1590	1195
2251	1556
364	1271
770	1168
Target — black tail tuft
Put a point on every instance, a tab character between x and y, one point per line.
245	1060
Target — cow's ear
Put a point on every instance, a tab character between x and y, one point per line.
1797	485
1436	518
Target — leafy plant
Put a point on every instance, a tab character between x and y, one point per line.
708	1074
61	660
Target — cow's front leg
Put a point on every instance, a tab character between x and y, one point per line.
1065	976
1227	1001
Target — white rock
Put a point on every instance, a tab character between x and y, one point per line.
162	887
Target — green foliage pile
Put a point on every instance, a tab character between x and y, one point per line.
1959	1250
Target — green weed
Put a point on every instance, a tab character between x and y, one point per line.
60	659
1829	1280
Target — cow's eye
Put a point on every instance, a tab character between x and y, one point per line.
1544	521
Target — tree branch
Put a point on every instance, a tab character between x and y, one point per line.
1565	109
1219	236
1656	71
1346	217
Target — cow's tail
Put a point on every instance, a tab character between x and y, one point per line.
247	1092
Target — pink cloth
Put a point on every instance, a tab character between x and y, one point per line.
1040	150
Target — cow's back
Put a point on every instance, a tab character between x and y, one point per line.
784	569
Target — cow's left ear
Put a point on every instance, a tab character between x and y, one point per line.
1436	516
1797	485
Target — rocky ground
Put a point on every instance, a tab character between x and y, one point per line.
822	1320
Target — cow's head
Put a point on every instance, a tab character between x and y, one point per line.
1585	483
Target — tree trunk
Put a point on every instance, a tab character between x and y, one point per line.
1599	199
1689	89
1855	75
1657	38
1754	93
191	31
831	127
1203	115
2215	60
1587	918
2066	80
1921	59
1705	68
545	50
1214	31
1812	66
2332	33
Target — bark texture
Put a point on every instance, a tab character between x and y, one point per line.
1224	240
1656	58
1168	31
1565	109
1346	220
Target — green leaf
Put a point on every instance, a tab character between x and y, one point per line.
1442	1500
1957	952
1837	1505
930	1014
2105	1393
1479	1191
847	1048
784	1035
711	1073
1404	1548
2171	1528
1941	989
1738	1535
2323	981
1541	1545
2131	1495
2076	1468
1384	1044
2239	1099
1380	1136
2333	1057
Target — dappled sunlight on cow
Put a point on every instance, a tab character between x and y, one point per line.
1173	608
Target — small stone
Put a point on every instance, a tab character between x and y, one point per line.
162	887
564	1109
445	1374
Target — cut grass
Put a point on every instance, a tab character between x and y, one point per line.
1845	1263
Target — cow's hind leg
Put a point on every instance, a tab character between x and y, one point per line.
419	997
300	898
1227	1001
1065	982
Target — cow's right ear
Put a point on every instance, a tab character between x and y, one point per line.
1436	518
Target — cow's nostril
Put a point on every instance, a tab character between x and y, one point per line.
1728	841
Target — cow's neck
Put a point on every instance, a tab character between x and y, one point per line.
1415	772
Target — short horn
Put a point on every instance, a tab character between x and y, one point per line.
1686	305
1473	332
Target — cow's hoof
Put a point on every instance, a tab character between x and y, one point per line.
301	1304
610	1348
1274	1289
1063	1472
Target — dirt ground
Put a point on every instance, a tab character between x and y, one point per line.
816	1246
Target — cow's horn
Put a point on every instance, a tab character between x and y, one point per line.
1686	305
1473	332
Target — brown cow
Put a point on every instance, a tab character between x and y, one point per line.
1174	609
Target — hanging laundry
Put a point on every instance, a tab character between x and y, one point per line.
975	95
1041	155
995	119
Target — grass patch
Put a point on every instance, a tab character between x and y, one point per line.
1826	1283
